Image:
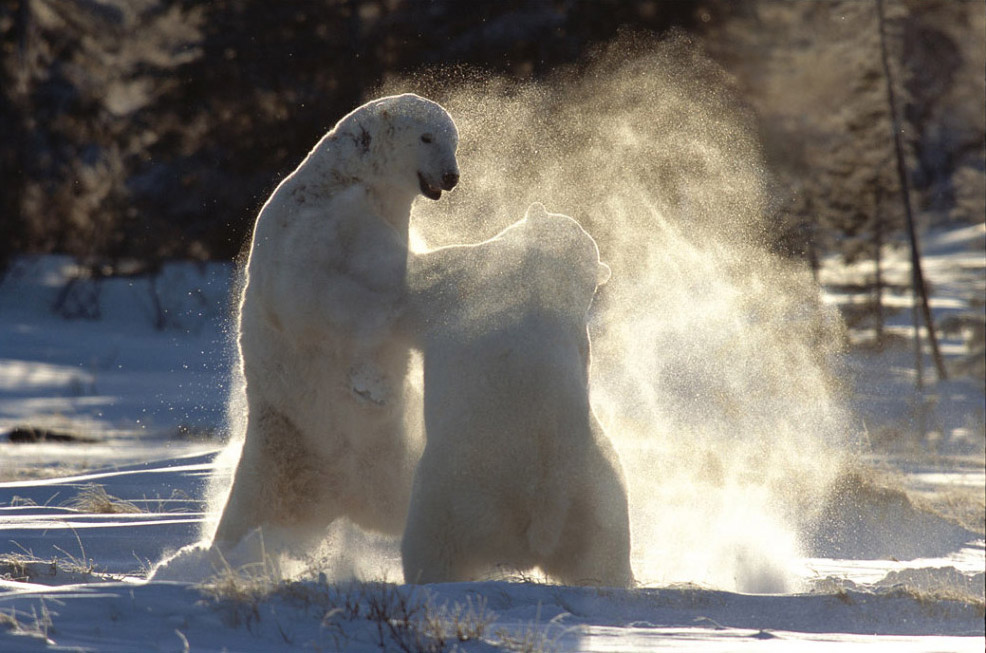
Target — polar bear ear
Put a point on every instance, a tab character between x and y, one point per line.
535	211
603	274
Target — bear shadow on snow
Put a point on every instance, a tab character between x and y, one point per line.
516	471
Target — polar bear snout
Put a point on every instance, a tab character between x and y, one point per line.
450	179
433	189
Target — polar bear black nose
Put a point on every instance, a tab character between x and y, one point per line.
449	180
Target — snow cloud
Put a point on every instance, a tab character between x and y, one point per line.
711	355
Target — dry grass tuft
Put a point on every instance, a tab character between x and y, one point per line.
38	627
94	499
379	614
27	568
21	568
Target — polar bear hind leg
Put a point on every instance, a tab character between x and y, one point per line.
595	545
458	534
277	482
429	552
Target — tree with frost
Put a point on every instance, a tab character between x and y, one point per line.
815	73
86	78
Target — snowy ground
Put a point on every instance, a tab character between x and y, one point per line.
907	574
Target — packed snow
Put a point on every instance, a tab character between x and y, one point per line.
84	516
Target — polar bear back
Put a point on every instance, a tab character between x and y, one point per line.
516	470
507	349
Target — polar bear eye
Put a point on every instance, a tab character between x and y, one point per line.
426	138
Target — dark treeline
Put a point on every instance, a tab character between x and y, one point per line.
154	129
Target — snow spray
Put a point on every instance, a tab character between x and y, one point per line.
709	354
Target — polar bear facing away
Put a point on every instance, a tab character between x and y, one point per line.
516	472
325	374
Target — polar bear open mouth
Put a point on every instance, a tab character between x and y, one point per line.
429	191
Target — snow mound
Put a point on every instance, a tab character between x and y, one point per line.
864	520
946	581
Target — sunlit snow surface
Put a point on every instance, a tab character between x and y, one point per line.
71	579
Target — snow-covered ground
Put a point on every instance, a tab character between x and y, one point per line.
953	411
127	414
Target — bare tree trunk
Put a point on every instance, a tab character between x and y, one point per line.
808	226
917	277
878	262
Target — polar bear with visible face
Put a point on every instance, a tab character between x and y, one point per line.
325	373
517	471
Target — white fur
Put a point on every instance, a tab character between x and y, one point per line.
516	472
325	374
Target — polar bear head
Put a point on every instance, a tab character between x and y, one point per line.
562	259
404	141
563	237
